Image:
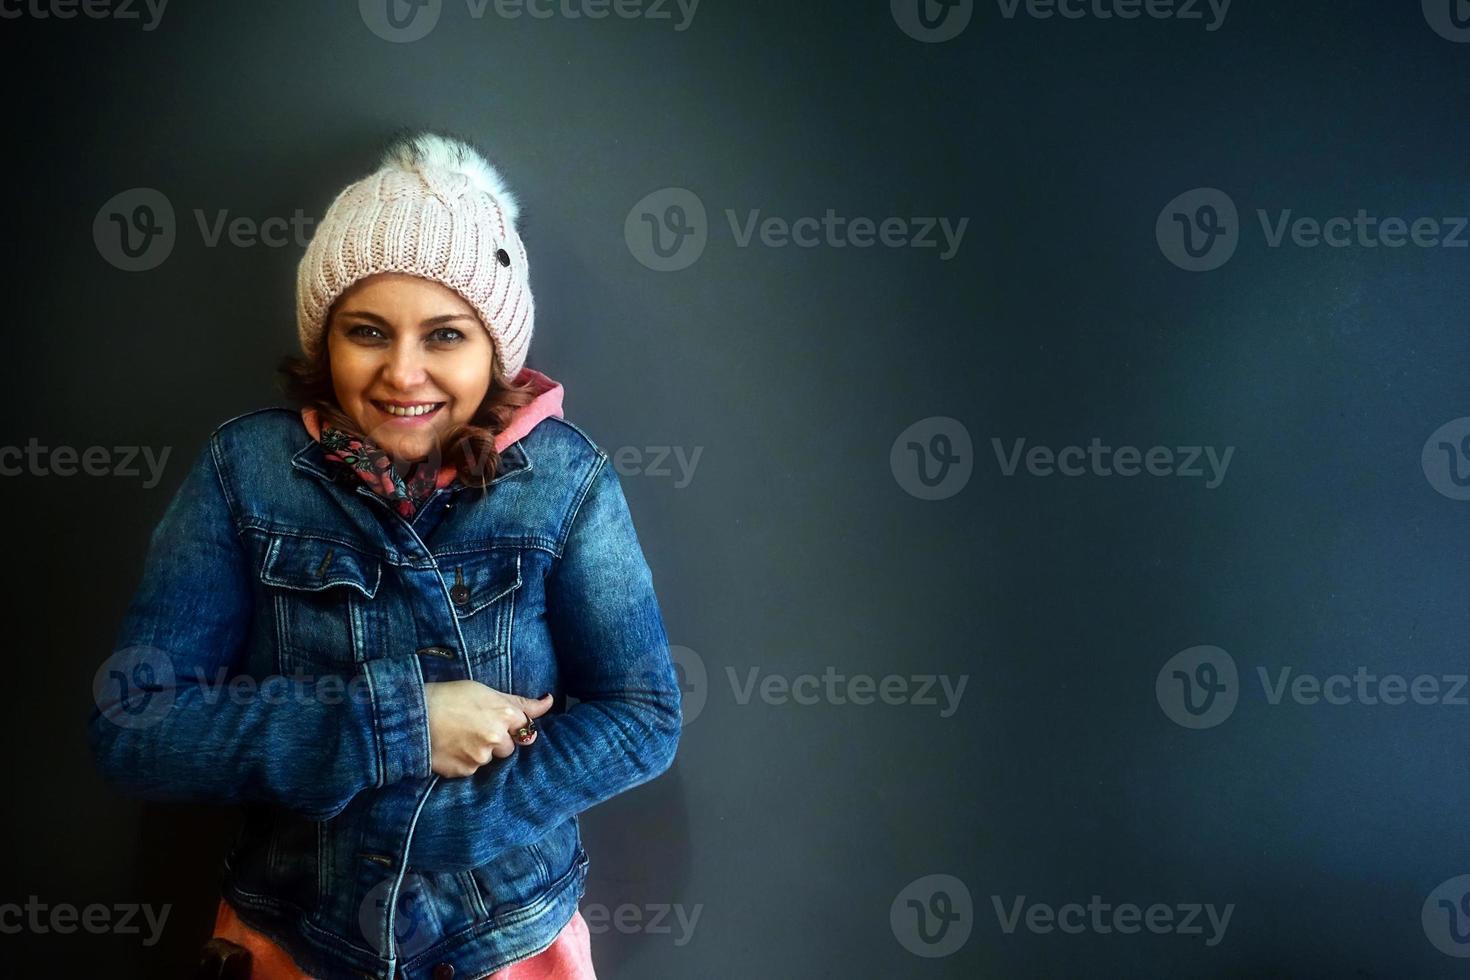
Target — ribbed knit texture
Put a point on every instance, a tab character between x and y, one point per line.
426	221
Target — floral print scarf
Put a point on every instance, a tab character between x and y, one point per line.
407	495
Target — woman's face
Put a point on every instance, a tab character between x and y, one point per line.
399	343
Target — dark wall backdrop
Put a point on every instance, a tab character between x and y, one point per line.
1172	753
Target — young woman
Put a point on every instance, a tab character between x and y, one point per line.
359	618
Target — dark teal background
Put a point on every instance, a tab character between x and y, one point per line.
794	547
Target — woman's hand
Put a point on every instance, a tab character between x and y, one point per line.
470	723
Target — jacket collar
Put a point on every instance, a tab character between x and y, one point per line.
311	458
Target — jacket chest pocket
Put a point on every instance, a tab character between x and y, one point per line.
321	592
482	590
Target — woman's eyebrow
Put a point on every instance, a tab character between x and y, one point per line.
431	321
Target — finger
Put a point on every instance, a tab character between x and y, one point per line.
536	707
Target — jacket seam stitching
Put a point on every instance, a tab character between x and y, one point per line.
424	728
378	751
224	486
576	510
272	529
537	542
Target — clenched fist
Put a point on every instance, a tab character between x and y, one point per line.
470	724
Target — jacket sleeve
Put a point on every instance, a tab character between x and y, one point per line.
168	721
613	656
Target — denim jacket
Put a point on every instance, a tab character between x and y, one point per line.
274	657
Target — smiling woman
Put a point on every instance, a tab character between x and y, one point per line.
425	824
408	367
403	370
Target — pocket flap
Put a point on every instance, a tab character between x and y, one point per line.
477	580
314	564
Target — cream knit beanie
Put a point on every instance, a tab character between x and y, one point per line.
434	208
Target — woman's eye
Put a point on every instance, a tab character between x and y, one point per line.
360	331
446	334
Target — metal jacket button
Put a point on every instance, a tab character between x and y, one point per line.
459	593
444	971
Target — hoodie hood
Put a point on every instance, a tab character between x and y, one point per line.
527	417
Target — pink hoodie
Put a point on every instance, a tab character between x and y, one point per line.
547	404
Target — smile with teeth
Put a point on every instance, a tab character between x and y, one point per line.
409	412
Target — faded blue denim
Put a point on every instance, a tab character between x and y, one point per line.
271	562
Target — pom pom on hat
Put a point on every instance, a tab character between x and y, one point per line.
428	149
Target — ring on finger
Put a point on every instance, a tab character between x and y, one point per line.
526	734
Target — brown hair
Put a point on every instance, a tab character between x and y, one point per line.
471	445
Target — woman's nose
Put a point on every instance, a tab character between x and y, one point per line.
405	367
